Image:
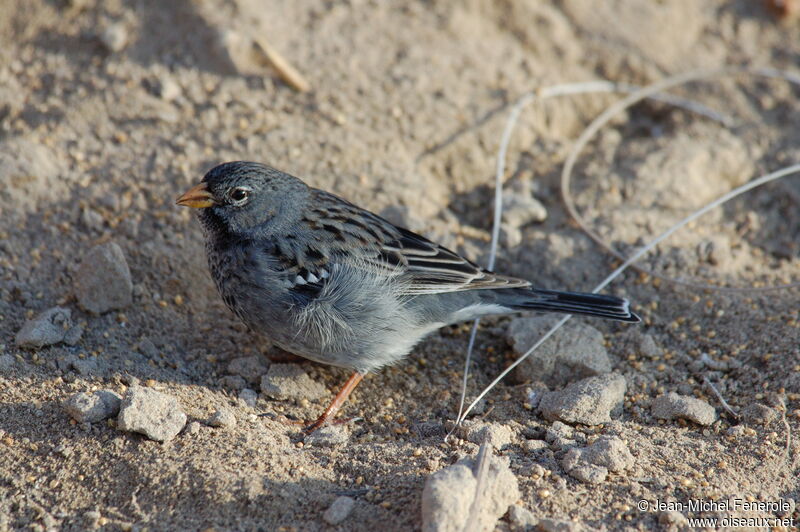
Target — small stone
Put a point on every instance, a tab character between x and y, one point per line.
47	328
520	209
222	418
758	414
73	335
636	342
575	352
448	495
589	401
233	382
7	363
115	37
589	473
154	414
534	446
148	348
168	89
93	407
248	397
499	435
250	368
86	367
328	436
609	452
103	280
289	381
193	427
521	518
339	510
674	406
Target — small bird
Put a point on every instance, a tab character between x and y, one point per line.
337	284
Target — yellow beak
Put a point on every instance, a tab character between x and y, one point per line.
197	197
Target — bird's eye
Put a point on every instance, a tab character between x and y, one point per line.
239	194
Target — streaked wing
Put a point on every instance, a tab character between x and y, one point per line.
359	236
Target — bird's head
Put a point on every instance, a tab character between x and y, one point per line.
243	197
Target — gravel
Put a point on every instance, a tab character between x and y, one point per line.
48	328
289	381
339	510
93	407
103	280
156	415
576	351
328	436
222	418
589	401
449	493
674	406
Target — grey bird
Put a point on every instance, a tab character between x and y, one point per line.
337	284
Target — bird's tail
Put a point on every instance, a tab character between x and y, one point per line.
601	306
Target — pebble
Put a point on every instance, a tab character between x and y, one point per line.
672	517
48	328
233	382
448	495
758	414
93	407
674	406
154	414
589	401
328	436
520	209
520	518
575	352
610	452
339	510
223	417
115	37
534	446
73	335
7	362
636	342
249	397
289	381
250	368
589	473
499	435
103	280
168	89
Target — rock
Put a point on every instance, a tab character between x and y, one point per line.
589	401
154	414
758	414
575	352
589	473
521	518
672	517
636	342
521	208
609	452
534	446
328	436
93	407
449	493
48	328
339	510
31	174
248	397
86	366
250	368
168	89
499	435
222	418
73	335
674	406
193	428
7	363
233	382
289	381
103	280
115	37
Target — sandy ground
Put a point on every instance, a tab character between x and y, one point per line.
109	110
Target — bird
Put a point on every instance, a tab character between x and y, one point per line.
337	284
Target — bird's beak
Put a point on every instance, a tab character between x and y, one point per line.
197	197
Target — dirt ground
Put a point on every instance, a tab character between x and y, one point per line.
110	109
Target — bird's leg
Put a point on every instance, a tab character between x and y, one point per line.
337	402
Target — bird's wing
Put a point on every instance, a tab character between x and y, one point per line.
359	237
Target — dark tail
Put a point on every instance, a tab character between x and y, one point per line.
601	306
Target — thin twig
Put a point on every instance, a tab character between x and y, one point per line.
285	70
721	399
